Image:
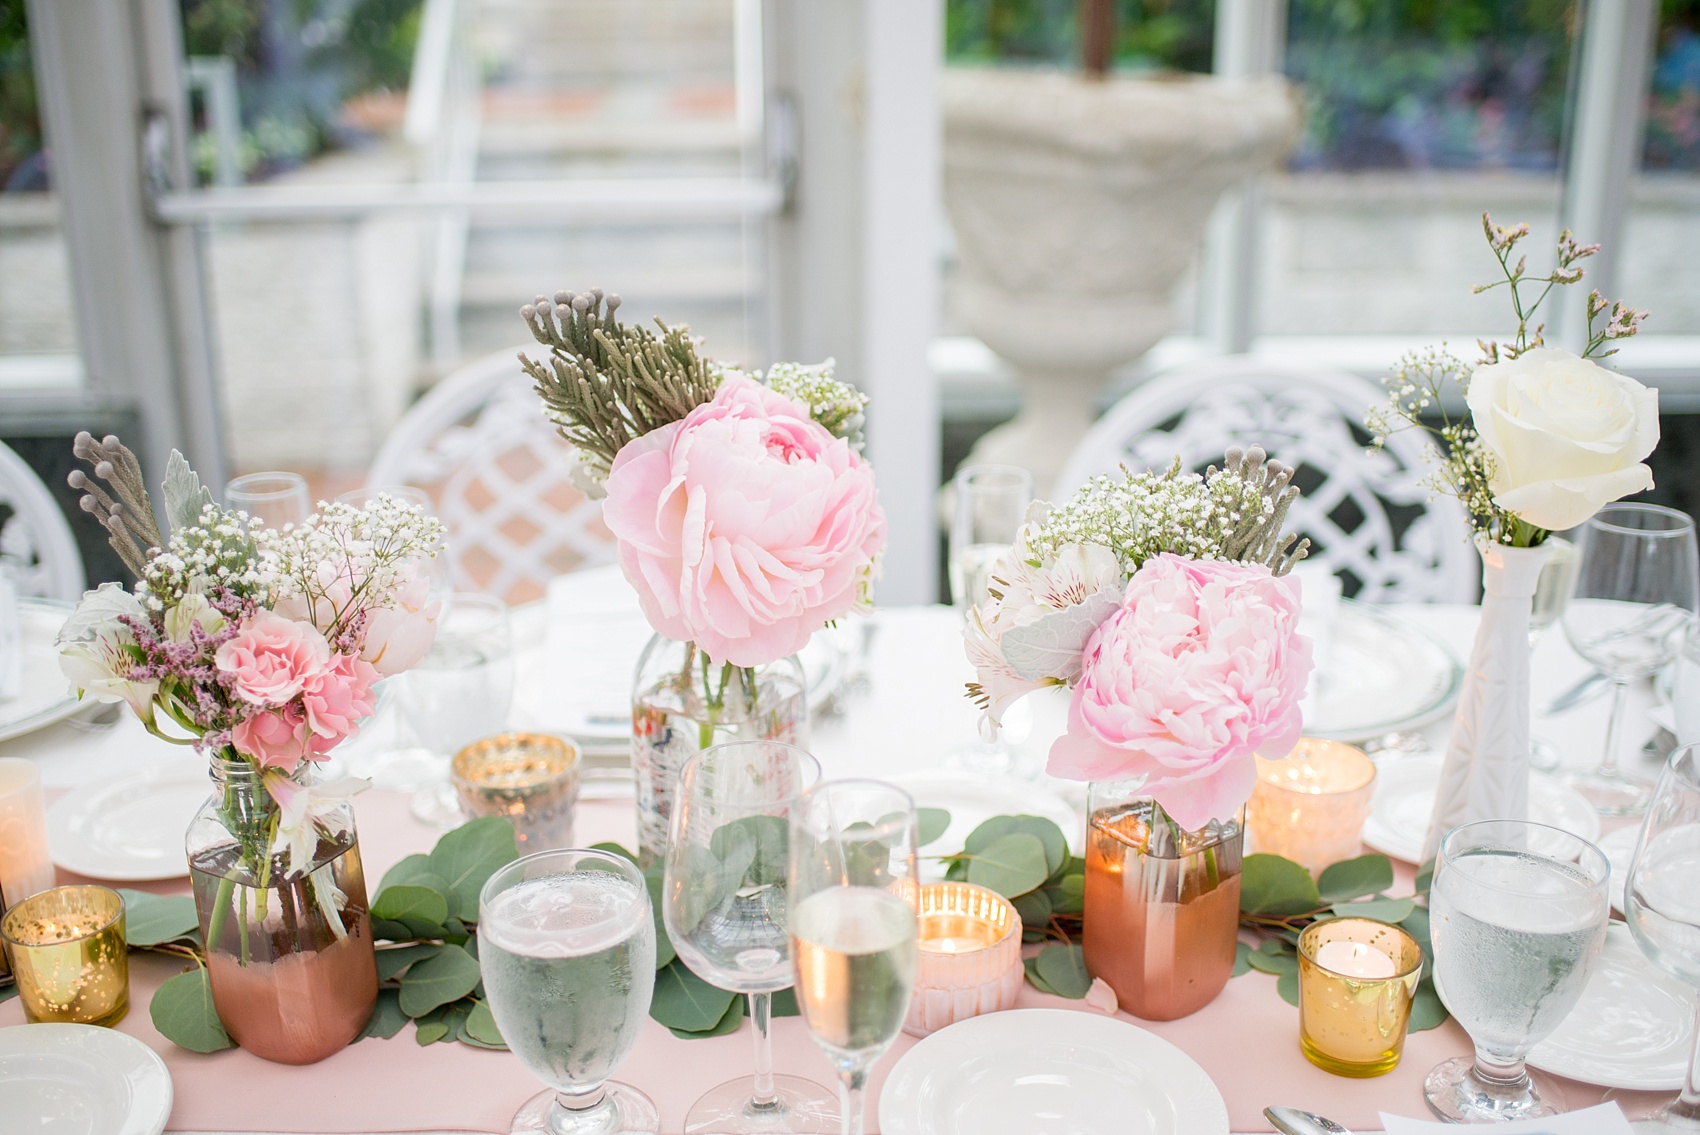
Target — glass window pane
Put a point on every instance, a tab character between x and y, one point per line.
1660	269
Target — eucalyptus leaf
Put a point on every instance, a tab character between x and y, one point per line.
1011	865
686	1002
1276	887
1068	896
7	992
152	919
1034	907
1064	970
664	952
934	823
387	1018
1425	878
1355	878
455	1015
1427	1010
1382	910
1035	978
467	856
769	838
1242	959
409	904
393	961
1277	964
613	848
1416	925
481	1026
182	1011
430	1032
957	870
1287	985
446	976
785	1004
728	1023
1042	829
408	870
385	930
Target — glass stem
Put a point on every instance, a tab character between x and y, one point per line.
851	1081
761	1015
1614	731
1499	1070
588	1112
1687	1105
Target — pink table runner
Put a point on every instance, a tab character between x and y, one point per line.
1247	1040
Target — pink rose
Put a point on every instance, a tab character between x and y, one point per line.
336	701
396	638
276	738
746	526
1199	668
271	658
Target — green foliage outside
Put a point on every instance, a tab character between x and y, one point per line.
20	128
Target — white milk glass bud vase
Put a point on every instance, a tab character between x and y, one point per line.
1486	774
683	702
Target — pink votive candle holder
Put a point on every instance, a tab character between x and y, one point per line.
970	956
1311	807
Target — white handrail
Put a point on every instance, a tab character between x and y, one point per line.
427	84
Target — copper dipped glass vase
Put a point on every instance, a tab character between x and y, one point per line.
1162	903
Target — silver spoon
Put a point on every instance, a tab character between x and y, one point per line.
1292	1121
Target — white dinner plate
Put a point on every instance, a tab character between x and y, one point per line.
81	1080
44	695
1404	800
1385	675
971	801
1619	848
1048	1072
1633	1027
129	829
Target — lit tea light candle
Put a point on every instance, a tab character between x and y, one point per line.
68	954
1356	980
970	956
529	779
1311	807
26	866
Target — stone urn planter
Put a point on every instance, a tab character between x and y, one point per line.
1077	203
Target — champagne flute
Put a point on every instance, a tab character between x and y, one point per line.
276	499
1517	914
853	890
1552	593
1637	590
991	505
724	892
566	942
1662	904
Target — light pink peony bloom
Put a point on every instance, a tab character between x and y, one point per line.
336	701
746	526
276	738
397	638
1201	667
271	658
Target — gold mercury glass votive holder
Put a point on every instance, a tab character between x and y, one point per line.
68	955
1356	980
529	779
970	956
1311	807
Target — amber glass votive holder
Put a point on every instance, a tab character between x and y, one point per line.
1353	1018
529	779
1311	807
969	963
68	955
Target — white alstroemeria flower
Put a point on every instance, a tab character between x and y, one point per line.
304	810
191	610
96	649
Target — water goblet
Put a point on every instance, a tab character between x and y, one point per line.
1637	590
566	942
276	499
1662	904
724	905
460	692
853	895
1517	914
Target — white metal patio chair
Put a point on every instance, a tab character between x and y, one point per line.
496	470
36	543
1387	535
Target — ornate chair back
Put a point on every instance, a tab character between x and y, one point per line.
36	542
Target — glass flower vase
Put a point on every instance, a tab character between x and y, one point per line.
683	702
289	943
1162	903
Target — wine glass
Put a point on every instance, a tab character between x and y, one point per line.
1516	915
1552	593
276	499
853	927
1637	590
991	505
724	892
566	943
1662	904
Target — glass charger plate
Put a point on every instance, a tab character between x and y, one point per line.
1404	800
1633	1027
81	1080
1384	674
44	696
1028	1070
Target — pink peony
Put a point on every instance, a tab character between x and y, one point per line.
396	638
335	702
275	738
271	658
1199	668
746	526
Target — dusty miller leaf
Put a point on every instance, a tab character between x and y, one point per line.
1051	646
185	496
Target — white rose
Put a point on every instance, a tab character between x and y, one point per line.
93	649
1566	435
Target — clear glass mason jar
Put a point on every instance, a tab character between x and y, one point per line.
1162	904
683	702
289	945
